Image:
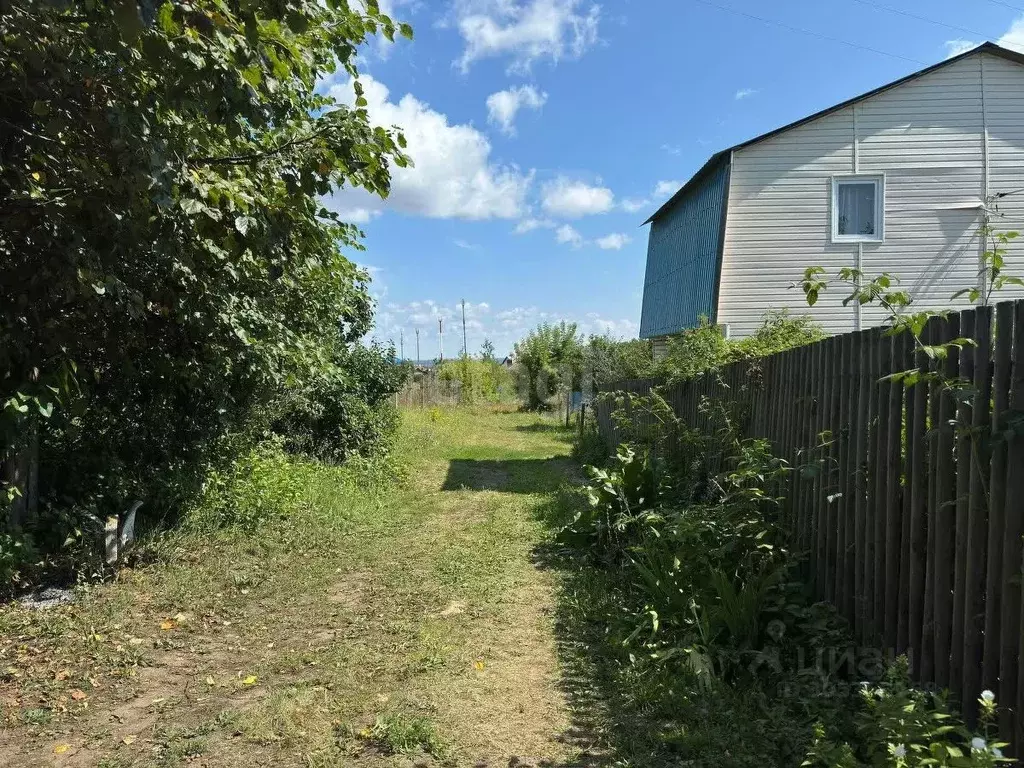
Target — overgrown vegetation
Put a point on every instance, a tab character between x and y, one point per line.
354	621
172	289
479	381
707	639
704	348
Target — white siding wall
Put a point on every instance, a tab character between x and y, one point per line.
927	137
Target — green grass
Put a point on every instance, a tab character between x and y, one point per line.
412	608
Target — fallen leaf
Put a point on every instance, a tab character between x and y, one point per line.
250	680
167	624
62	675
130	739
136	641
78	695
209	680
478	665
60	749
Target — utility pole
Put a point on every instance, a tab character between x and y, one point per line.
417	346
440	339
465	347
401	343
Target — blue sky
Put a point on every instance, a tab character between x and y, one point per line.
544	132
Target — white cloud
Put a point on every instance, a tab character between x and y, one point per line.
529	224
503	106
613	242
662	191
465	245
672	149
570	199
453	176
745	93
667	188
1013	39
622	329
956	47
524	31
568	234
634	204
503	327
355	214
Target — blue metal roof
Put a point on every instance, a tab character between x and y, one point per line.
683	253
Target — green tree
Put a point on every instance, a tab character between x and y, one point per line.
550	357
167	266
487	350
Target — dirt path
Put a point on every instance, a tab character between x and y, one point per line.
404	627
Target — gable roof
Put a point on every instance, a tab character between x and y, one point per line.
723	156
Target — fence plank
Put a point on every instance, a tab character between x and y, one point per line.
927	652
844	570
881	483
829	470
872	502
1003	349
945	508
861	426
893	507
977	515
916	551
963	480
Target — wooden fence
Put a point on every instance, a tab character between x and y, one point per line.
910	502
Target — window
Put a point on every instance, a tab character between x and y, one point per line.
858	209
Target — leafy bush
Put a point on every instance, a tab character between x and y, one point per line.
703	348
347	409
715	639
167	268
258	486
479	380
549	358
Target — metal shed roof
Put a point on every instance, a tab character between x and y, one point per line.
723	156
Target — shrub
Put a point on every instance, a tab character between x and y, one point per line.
167	268
716	642
347	409
479	380
549	358
260	485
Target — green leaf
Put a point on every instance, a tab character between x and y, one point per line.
244	223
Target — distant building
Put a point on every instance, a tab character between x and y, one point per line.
896	180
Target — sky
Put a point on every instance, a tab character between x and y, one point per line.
544	132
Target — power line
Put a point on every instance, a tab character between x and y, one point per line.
1007	5
925	19
803	31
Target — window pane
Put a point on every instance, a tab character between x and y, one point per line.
856	204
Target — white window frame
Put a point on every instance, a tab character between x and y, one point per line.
878	179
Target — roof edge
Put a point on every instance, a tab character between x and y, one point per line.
986	47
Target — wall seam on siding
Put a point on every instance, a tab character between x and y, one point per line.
721	240
984	177
858	254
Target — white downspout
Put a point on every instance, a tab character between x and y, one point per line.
983	241
859	251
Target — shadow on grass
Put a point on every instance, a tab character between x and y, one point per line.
555	429
611	724
507	475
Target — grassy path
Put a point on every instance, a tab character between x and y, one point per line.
398	627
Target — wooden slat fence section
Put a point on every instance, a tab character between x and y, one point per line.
906	497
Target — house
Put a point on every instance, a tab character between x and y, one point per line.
896	180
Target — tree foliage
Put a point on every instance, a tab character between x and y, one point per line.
548	358
167	267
